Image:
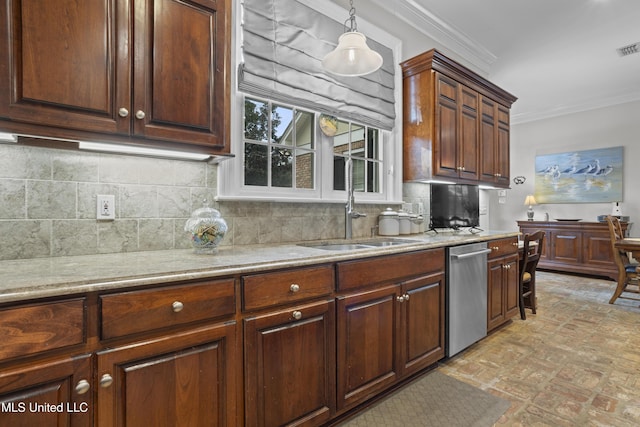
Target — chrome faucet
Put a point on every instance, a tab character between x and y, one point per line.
349	212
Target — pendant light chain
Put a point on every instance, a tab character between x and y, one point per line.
352	18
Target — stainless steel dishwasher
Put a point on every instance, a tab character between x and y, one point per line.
466	296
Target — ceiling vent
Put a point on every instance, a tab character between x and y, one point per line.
629	49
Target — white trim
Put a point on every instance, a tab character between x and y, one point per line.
426	22
592	104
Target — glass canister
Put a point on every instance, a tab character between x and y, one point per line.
207	229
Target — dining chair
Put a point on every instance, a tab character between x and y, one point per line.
532	250
627	271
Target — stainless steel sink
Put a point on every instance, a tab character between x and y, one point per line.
368	244
338	246
388	242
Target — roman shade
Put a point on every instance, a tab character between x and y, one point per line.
283	43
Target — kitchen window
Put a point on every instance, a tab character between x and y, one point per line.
286	156
279	145
362	144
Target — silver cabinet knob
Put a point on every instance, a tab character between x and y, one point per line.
82	387
406	297
297	315
495	248
294	287
106	380
140	114
400	298
123	112
177	306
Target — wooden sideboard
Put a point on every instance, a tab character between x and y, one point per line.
575	246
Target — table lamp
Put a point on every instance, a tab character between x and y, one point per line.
530	200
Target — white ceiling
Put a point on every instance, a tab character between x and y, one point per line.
556	56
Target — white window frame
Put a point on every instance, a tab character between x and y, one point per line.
231	172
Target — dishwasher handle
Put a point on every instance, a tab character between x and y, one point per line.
471	254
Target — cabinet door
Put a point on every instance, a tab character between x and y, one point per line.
290	366
597	250
179	81
511	279
63	384
445	148
67	66
185	379
367	336
488	143
496	314
468	151
502	149
422	324
566	247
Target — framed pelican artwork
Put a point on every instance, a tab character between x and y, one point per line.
588	176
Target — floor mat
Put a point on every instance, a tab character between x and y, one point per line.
434	400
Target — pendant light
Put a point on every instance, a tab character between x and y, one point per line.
352	56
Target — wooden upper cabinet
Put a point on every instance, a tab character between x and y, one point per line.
64	64
468	147
456	137
135	70
455	123
446	138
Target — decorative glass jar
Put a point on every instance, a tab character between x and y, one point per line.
207	229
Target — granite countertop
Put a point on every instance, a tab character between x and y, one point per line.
56	276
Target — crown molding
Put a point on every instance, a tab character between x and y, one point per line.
593	104
432	26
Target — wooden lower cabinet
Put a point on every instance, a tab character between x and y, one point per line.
422	317
63	384
290	366
185	379
387	334
367	336
502	291
314	343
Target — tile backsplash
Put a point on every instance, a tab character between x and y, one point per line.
48	206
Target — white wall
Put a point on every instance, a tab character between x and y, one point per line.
606	127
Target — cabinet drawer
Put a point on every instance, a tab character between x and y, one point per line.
30	329
263	290
503	247
138	311
389	268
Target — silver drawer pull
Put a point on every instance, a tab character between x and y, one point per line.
177	306
297	315
106	380
82	387
294	287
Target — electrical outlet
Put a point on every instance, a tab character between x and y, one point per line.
105	206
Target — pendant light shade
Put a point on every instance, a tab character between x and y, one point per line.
352	56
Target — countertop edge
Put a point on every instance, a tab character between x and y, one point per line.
73	275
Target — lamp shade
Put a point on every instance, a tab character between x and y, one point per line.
530	200
352	56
